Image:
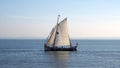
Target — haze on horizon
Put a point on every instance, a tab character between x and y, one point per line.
87	19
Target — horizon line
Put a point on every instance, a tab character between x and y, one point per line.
70	38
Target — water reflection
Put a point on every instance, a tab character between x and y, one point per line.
58	59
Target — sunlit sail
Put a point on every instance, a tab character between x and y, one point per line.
59	38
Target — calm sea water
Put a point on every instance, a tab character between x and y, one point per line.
31	54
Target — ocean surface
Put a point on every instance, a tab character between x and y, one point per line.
21	53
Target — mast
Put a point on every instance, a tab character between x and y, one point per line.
58	19
56	29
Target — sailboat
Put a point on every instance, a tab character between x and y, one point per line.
58	39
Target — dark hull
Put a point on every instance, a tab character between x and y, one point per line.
72	48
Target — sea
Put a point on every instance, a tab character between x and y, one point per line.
29	53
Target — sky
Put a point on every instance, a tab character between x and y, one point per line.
87	19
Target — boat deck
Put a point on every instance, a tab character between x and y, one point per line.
72	48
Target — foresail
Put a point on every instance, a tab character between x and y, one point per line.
62	37
52	37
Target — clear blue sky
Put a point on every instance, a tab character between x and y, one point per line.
35	18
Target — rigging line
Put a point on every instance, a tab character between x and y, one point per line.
51	35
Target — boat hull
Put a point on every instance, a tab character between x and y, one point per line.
72	48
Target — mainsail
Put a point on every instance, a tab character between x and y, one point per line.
62	37
59	35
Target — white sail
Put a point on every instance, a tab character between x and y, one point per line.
52	37
58	39
62	37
